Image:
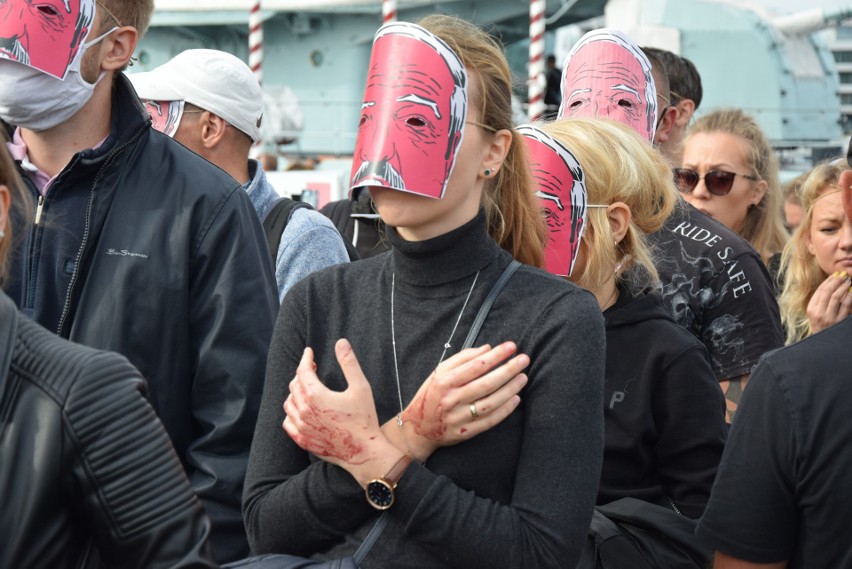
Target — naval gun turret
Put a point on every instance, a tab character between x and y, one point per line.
773	67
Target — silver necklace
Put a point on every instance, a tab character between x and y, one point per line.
447	344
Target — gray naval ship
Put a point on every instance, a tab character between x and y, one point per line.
315	55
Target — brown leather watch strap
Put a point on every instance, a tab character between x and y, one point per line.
397	470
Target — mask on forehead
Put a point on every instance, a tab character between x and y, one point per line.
165	115
607	75
412	115
45	35
561	188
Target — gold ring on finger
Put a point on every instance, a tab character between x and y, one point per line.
473	412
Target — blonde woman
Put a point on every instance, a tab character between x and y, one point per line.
729	171
663	408
817	262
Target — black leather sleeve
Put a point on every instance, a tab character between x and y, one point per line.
131	489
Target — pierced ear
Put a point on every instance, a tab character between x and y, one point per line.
118	47
497	151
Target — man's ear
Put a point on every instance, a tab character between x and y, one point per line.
685	110
667	123
118	47
212	129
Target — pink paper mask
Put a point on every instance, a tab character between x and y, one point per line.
45	35
607	75
165	115
412	115
561	188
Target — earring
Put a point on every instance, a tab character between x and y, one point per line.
487	172
2	234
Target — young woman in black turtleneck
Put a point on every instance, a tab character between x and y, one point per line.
505	439
664	411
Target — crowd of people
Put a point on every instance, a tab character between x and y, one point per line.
584	343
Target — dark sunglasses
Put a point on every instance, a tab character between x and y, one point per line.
718	182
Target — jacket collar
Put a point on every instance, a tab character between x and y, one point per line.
261	193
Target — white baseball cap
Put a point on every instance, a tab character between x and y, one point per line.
212	80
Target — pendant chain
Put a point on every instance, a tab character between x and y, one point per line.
447	344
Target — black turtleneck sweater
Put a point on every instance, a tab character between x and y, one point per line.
519	495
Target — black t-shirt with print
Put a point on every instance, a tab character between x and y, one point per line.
716	286
783	490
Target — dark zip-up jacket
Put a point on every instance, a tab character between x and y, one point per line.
88	478
664	412
171	269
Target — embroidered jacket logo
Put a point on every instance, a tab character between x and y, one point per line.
125	253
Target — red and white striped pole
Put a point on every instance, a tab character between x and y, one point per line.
537	81
256	41
388	11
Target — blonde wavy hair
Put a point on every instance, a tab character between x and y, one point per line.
512	210
620	166
764	223
802	273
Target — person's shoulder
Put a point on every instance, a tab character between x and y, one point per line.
304	219
695	233
538	289
172	169
826	351
62	368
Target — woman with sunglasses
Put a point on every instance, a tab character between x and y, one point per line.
817	262
664	412
485	457
729	171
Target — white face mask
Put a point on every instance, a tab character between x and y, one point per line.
34	100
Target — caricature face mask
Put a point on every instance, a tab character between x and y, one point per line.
412	115
561	188
607	75
41	51
165	115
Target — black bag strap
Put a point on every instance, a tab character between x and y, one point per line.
371	538
489	300
374	534
276	221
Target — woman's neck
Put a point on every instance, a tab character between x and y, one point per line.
607	293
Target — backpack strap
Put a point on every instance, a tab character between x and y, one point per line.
489	300
276	221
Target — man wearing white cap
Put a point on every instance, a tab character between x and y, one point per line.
219	108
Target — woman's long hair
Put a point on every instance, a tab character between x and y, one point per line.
21	204
764	223
802	273
619	166
514	217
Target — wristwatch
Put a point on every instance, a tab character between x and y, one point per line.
380	491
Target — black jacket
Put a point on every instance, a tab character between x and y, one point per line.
173	272
664	412
88	477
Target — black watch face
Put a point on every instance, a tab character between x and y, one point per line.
380	494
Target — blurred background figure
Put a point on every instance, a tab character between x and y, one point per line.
793	210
